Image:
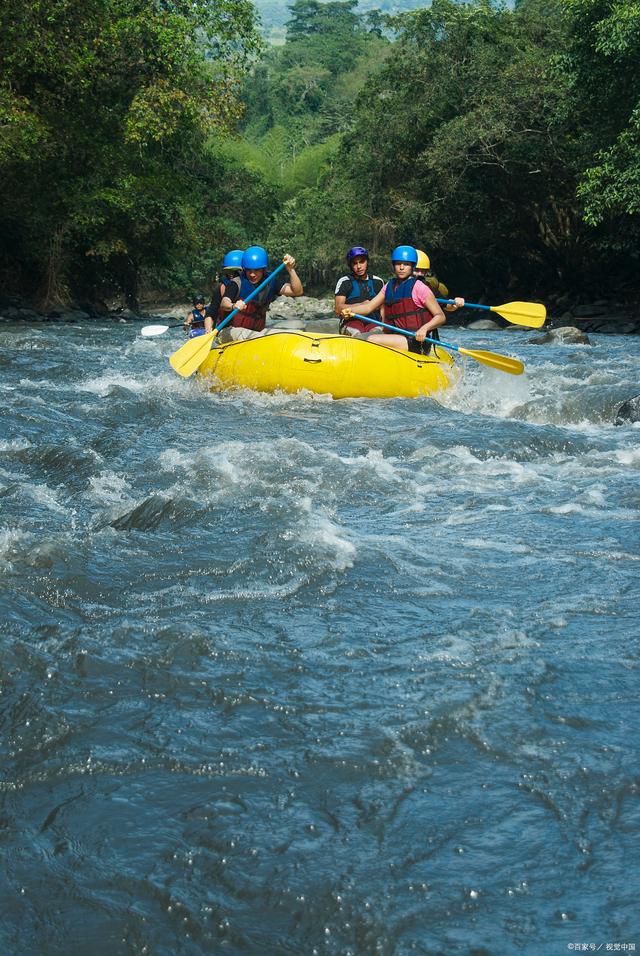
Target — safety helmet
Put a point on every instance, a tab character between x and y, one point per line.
233	259
255	257
404	254
357	251
198	299
423	260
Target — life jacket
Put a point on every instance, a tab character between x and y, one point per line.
197	319
254	316
437	287
362	290
400	309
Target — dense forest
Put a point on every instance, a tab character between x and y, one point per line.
140	140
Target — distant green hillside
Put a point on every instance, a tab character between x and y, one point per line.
275	13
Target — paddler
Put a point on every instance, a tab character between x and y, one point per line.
231	267
354	289
199	320
250	320
408	304
423	271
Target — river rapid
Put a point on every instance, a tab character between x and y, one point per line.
285	675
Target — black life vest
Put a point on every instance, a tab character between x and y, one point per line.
197	319
361	291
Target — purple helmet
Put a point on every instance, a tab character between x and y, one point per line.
357	251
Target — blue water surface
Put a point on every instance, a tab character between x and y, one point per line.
286	675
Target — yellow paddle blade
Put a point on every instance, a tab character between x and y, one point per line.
493	360
531	314
192	354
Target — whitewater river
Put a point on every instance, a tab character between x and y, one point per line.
283	675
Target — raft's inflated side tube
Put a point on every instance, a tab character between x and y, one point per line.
327	364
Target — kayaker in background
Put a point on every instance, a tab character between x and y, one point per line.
231	267
199	320
408	304
354	289
251	318
423	271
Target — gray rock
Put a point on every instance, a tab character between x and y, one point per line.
629	411
565	335
292	323
482	324
304	307
330	325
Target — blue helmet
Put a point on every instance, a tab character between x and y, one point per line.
405	254
357	251
233	259
255	257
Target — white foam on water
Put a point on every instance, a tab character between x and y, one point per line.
16	444
46	496
491	544
10	539
42	383
267	592
316	531
569	507
108	489
487	392
627	456
266	400
103	384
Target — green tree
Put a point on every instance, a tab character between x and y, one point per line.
104	112
602	61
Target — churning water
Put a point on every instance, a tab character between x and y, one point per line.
284	675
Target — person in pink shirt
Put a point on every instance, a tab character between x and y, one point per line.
408	304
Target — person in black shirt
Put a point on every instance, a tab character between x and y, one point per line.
354	289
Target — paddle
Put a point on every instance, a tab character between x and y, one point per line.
192	354
149	330
530	314
492	359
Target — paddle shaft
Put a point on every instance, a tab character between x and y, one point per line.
492	359
411	335
467	305
532	315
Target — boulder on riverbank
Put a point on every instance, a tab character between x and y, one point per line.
316	315
482	325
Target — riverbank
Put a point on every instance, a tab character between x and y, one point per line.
316	314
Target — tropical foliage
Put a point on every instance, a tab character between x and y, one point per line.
140	140
104	108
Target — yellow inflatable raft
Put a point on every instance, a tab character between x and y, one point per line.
327	364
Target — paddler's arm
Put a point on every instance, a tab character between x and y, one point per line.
230	299
293	288
366	308
458	303
340	303
425	299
